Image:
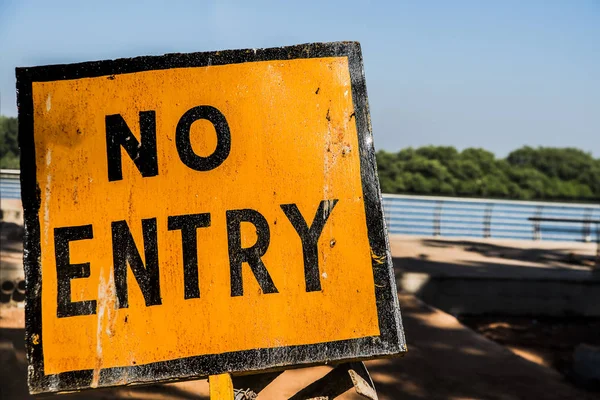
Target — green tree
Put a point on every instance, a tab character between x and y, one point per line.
527	173
9	146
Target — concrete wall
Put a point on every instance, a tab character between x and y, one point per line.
507	296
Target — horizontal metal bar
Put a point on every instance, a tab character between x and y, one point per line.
470	200
569	220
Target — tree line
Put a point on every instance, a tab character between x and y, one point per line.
542	173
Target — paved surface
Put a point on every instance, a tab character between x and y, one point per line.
500	277
445	361
495	258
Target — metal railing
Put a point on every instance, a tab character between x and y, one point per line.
452	216
10	184
487	218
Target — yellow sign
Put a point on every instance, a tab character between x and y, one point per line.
202	213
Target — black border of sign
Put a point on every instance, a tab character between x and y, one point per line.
391	339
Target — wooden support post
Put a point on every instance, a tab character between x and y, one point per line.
220	387
337	381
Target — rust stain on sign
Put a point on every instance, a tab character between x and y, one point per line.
194	214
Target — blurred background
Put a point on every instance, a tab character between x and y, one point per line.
486	120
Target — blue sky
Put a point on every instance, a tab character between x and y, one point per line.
492	74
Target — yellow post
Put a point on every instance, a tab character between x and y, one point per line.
220	387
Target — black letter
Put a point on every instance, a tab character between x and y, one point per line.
66	271
189	243
125	251
118	134
184	146
310	238
251	255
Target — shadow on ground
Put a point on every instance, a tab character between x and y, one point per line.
447	361
554	257
13	378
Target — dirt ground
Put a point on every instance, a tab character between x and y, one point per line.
550	342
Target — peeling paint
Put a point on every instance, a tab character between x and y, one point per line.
311	147
378	259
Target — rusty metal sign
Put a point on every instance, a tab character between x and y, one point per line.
194	214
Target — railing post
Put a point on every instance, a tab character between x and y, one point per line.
597	245
437	218
487	221
586	228
537	229
387	213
